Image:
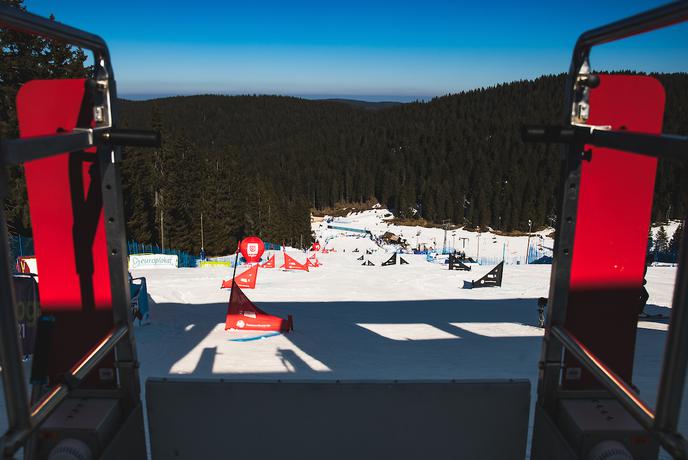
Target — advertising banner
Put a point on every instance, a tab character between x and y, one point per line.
146	261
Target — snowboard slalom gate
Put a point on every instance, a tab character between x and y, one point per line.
393	261
245	280
493	278
270	262
85	348
244	315
292	264
455	263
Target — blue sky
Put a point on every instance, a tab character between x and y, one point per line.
398	50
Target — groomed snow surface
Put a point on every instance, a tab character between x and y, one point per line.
357	322
370	322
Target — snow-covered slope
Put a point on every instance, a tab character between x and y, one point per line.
486	246
371	322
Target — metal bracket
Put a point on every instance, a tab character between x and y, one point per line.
102	111
127	364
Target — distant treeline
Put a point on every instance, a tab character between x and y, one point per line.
257	164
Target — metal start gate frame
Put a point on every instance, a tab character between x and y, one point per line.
23	417
575	134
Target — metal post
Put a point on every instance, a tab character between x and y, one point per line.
477	256
675	364
162	230
16	394
530	228
113	210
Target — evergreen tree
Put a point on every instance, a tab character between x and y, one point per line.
25	57
675	243
258	164
661	241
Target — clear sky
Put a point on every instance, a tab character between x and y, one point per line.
396	50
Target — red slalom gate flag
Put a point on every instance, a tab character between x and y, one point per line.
270	263
292	264
325	251
242	314
312	263
246	280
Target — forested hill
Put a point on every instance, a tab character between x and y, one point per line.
257	164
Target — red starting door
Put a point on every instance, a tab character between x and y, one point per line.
613	218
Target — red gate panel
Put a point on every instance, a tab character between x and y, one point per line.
613	218
66	210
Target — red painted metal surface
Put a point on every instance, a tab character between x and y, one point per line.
610	244
66	210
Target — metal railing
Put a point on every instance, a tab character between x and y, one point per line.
22	418
40	411
662	423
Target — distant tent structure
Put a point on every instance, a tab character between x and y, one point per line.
542	260
493	278
402	261
368	263
356	250
391	261
243	315
369	251
455	263
360	258
270	263
292	264
246	280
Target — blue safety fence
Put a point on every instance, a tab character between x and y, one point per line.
508	260
184	258
537	252
23	246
